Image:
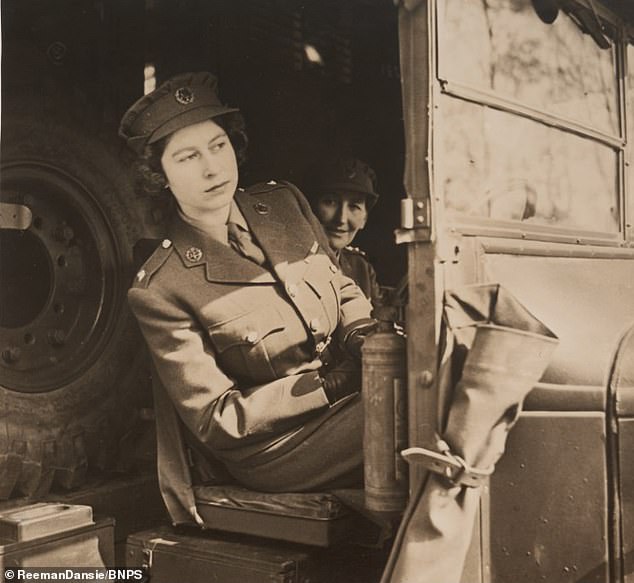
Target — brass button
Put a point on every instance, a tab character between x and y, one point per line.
251	337
166	244
141	275
261	208
314	324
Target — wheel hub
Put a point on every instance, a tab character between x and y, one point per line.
58	297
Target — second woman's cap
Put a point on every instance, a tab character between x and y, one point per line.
343	175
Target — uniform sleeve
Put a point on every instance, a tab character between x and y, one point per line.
206	399
375	289
355	307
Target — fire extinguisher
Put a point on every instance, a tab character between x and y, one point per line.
384	389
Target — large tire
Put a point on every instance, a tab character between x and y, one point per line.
71	374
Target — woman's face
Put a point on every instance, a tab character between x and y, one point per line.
343	216
201	168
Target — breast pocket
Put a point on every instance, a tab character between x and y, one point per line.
321	278
243	344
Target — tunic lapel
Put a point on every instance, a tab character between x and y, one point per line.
276	223
222	264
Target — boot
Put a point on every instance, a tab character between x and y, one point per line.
508	350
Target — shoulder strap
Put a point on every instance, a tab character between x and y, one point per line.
163	249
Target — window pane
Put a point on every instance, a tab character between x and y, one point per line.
497	165
501	45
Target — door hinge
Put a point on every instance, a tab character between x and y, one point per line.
415	213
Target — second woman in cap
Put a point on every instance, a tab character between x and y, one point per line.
342	192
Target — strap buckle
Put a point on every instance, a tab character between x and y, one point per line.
321	346
448	465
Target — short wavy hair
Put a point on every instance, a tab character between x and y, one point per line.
148	168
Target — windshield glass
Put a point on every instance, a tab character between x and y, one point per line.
502	46
505	167
527	122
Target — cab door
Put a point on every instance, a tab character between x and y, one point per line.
517	174
551	497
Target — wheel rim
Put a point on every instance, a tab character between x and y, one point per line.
61	304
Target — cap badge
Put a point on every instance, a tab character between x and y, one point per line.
184	95
261	208
193	254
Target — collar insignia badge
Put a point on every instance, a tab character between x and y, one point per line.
193	254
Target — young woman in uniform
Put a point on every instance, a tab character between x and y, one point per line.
239	307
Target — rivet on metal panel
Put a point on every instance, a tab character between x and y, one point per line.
426	378
422	214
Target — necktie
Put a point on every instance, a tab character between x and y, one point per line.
242	242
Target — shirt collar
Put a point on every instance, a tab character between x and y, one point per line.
218	232
236	216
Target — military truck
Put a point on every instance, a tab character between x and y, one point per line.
499	132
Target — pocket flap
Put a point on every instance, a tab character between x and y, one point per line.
320	273
247	329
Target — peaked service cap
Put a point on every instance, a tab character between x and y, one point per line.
344	175
182	100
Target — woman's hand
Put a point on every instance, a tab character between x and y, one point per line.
354	338
342	380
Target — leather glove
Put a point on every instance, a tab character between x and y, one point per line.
354	338
342	380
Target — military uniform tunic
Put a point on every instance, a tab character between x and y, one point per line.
236	345
356	266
